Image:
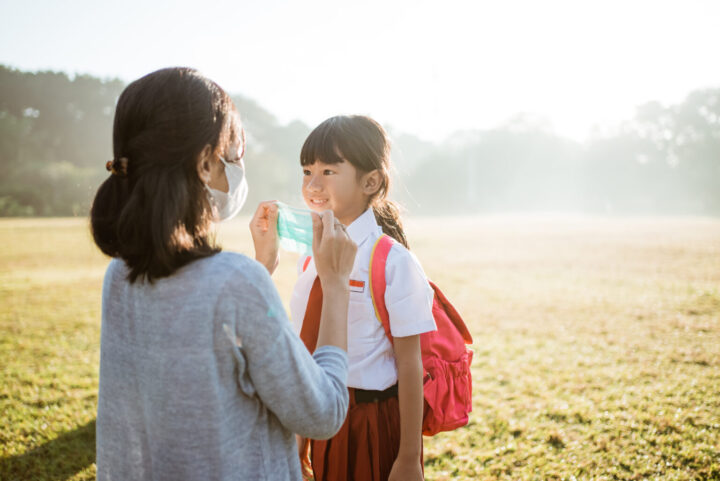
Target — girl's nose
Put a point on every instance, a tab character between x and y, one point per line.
313	184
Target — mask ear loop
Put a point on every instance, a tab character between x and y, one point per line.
214	207
208	189
211	202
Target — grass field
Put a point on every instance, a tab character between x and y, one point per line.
597	345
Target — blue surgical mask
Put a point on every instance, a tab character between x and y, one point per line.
295	229
229	203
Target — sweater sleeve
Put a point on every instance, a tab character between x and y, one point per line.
308	394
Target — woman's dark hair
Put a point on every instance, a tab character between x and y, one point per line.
364	143
156	216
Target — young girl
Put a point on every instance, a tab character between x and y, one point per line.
346	162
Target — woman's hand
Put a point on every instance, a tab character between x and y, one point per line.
333	250
406	469
263	228
334	254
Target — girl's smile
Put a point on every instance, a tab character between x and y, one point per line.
337	187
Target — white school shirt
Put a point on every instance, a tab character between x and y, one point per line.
408	298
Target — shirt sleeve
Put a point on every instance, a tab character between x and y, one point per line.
308	394
408	295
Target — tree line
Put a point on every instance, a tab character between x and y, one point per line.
56	134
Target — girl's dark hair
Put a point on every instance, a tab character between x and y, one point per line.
157	217
364	143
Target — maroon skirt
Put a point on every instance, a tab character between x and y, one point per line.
366	446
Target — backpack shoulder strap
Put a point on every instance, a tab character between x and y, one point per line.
378	260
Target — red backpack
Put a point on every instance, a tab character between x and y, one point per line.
447	380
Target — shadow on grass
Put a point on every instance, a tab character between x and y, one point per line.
56	460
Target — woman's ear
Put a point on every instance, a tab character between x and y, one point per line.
204	163
371	182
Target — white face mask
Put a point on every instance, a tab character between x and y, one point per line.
229	203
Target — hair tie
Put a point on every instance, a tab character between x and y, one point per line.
117	166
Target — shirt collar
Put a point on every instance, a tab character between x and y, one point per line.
362	227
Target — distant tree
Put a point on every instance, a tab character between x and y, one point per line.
56	133
57	130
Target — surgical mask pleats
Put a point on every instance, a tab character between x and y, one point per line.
295	229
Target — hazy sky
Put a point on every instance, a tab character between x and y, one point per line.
424	67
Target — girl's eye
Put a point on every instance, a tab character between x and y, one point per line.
306	172
328	172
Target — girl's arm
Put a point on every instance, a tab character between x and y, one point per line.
410	396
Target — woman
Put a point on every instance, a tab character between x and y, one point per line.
201	376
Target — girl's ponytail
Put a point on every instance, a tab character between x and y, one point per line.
387	214
107	206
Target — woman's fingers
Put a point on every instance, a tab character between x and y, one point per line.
263	228
271	215
328	220
261	210
271	209
317	230
265	215
333	249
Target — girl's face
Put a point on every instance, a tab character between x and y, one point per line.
336	187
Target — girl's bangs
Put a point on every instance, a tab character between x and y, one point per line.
321	145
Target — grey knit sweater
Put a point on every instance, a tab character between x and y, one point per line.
202	378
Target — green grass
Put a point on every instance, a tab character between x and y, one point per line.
597	345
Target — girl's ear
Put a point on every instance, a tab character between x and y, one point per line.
371	182
204	163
